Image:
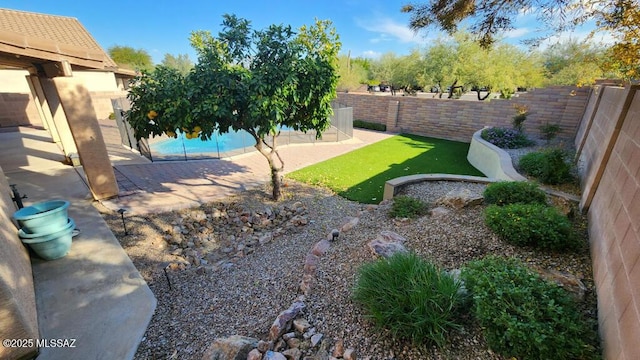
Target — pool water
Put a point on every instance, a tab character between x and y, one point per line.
219	143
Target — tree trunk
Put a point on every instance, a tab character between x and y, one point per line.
451	88
482	98
276	171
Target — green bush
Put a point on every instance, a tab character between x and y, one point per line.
369	125
518	122
549	131
407	207
524	316
532	164
531	225
512	192
506	138
112	116
549	166
410	297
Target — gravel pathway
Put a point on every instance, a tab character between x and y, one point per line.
248	278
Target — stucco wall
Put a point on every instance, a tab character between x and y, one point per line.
491	160
611	176
18	318
18	108
102	102
459	119
16	102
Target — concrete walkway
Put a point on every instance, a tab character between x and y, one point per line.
94	295
147	187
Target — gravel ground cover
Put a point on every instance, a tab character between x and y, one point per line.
247	278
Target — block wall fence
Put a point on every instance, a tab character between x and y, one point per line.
458	119
608	151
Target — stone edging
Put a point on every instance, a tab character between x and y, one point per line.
392	186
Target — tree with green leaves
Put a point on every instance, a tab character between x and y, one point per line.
575	63
130	58
487	19
245	79
182	63
460	63
352	74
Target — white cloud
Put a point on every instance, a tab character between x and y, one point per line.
388	30
517	33
371	54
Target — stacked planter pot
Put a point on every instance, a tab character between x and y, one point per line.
46	228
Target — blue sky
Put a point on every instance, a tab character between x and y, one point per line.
366	27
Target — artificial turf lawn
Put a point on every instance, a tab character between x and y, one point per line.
360	175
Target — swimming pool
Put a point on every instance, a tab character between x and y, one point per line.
219	143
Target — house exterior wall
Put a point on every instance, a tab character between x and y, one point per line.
18	107
18	317
459	119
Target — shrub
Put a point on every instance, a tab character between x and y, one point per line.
531	224
521	115
112	116
407	207
369	125
549	131
532	164
410	297
549	166
518	122
506	138
524	316
512	192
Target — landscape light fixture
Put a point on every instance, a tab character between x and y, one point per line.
334	234
121	212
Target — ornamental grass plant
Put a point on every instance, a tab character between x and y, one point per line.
410	297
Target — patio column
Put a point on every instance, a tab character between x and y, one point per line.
65	139
83	123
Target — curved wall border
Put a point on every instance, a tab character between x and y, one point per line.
491	160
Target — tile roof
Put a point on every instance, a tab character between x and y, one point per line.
50	34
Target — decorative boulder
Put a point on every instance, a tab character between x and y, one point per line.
234	347
386	244
460	198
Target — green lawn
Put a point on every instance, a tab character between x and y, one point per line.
360	175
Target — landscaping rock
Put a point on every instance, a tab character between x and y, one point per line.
283	322
460	198
301	325
391	236
273	355
349	224
386	244
338	350
321	247
232	348
315	339
349	354
292	354
254	355
566	280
